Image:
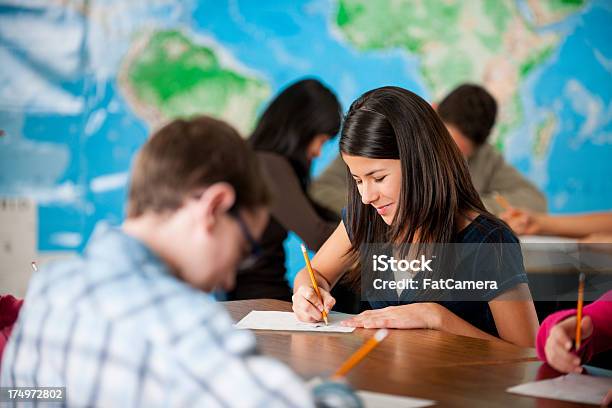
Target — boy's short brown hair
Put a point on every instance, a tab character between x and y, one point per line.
472	109
187	155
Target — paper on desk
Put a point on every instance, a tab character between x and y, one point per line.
581	388
260	320
378	400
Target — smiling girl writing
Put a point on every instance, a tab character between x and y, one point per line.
410	185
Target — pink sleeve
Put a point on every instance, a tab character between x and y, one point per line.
547	326
600	312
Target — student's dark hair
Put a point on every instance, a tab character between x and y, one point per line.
295	116
188	155
472	110
436	189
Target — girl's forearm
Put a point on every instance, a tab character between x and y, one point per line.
575	225
449	322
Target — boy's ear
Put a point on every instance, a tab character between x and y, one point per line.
216	200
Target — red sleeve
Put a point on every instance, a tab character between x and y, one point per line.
9	310
600	312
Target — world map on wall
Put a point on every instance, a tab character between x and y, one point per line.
82	83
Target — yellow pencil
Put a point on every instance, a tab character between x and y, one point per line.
361	353
579	310
501	200
314	281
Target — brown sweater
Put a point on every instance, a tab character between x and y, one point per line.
291	210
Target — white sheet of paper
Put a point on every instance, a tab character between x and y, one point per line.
378	400
585	389
260	320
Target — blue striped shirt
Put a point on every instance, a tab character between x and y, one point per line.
116	328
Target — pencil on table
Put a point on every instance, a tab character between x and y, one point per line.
34	267
314	281
361	353
501	200
579	310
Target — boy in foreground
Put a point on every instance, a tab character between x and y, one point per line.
127	324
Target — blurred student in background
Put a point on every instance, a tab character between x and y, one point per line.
469	113
288	136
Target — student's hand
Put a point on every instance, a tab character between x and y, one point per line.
412	316
559	344
306	304
522	222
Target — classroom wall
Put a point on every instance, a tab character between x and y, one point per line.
83	83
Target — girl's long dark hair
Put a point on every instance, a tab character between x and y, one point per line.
394	123
301	111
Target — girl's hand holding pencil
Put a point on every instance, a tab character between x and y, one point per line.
308	307
312	303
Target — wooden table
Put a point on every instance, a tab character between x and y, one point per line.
452	370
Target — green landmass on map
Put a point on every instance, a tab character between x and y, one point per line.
479	41
169	75
543	135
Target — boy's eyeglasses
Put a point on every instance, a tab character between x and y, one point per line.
255	247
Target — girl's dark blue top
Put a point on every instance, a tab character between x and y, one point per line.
489	240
